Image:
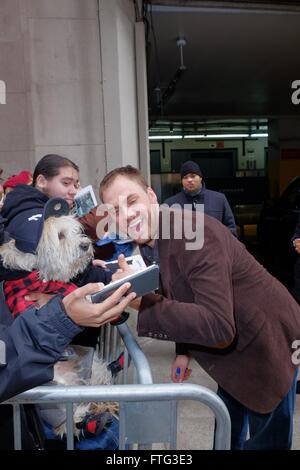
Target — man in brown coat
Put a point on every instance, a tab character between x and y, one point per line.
220	306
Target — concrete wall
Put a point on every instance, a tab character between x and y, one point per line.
51	61
15	137
119	82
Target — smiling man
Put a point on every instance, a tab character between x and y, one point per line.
220	306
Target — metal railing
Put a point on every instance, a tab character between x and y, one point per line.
148	412
128	393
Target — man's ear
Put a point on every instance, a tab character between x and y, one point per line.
152	195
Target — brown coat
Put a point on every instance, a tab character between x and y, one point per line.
220	295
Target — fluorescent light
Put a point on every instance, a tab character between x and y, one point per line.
260	135
164	137
215	136
225	136
208	136
195	136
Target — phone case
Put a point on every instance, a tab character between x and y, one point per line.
142	282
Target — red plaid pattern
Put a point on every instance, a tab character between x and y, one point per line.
17	289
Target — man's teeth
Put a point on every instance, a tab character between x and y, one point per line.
135	223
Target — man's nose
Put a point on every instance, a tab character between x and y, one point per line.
131	212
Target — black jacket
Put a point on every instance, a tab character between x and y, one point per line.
295	290
33	342
32	345
22	198
215	205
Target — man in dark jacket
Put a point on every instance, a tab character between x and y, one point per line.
220	306
194	192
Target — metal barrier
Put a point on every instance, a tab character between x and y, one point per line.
109	348
148	412
131	393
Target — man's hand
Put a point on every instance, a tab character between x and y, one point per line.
136	303
296	244
124	269
99	262
180	371
84	313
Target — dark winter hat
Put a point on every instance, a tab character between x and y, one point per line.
190	167
26	228
4	235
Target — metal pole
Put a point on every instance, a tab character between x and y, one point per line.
139	359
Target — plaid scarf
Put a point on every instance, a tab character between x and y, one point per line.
16	290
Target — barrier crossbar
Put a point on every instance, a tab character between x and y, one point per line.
147	410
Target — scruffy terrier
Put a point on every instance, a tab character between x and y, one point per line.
84	367
51	247
63	251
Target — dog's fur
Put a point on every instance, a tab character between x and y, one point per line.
62	253
74	373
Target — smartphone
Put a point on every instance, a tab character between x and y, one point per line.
136	262
142	282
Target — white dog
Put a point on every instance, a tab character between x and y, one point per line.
54	250
61	254
63	251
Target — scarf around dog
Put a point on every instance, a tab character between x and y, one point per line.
16	290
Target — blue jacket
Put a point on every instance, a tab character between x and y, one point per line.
33	343
215	205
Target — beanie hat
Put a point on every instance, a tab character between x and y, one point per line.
190	167
4	235
26	227
24	177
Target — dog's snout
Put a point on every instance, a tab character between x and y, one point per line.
84	246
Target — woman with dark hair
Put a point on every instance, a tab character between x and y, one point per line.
54	176
57	176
